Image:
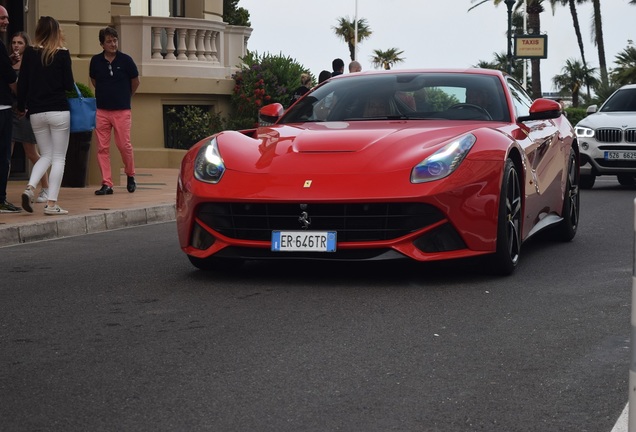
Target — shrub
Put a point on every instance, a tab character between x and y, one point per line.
575	115
185	125
261	81
84	90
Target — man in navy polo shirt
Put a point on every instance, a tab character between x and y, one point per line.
116	79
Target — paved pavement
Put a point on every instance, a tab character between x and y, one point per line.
152	202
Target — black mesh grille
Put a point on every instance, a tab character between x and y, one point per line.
609	135
353	222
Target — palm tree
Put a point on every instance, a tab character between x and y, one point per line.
346	30
598	40
625	70
533	8
575	21
597	32
387	58
575	75
500	62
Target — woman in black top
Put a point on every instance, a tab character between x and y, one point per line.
305	85
22	130
45	77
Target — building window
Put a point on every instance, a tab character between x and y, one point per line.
159	8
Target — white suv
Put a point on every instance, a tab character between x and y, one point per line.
607	139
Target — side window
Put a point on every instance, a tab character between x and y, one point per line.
520	99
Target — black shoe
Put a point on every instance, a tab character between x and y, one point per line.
105	190
131	185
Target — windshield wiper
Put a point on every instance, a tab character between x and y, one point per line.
390	117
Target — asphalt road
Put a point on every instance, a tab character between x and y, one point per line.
117	332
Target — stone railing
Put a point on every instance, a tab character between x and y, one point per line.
182	47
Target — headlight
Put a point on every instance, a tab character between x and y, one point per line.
584	132
209	166
444	161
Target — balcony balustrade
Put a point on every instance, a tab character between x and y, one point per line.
182	47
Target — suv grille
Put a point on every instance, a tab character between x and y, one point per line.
615	135
609	135
353	222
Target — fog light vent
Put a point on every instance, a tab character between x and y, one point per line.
201	239
441	239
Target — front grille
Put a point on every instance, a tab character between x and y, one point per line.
609	135
353	222
630	135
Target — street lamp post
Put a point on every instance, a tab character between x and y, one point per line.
510	4
355	34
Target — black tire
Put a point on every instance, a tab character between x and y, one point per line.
504	261
566	229
586	181
626	179
215	264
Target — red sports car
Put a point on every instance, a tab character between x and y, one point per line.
419	164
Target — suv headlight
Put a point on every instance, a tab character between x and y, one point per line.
584	132
444	161
208	165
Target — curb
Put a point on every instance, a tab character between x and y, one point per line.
60	227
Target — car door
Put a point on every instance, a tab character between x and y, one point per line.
544	152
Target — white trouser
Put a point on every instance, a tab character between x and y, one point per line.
52	130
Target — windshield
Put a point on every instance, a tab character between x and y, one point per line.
622	100
452	96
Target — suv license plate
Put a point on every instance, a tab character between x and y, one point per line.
304	241
620	155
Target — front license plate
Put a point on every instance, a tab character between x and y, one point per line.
304	241
620	155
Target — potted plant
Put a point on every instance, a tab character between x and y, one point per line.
78	152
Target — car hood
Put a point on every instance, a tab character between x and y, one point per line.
338	146
621	120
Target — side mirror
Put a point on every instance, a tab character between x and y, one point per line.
269	114
591	109
543	109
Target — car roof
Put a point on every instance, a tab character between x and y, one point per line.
432	70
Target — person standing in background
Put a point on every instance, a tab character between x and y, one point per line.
116	79
324	76
562	103
45	77
7	87
305	85
22	130
355	66
338	67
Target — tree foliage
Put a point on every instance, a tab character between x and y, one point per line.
386	59
625	70
234	15
346	30
575	76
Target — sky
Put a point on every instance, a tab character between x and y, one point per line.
432	33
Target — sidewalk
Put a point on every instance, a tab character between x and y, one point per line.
152	202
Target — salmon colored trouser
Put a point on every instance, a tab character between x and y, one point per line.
118	121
